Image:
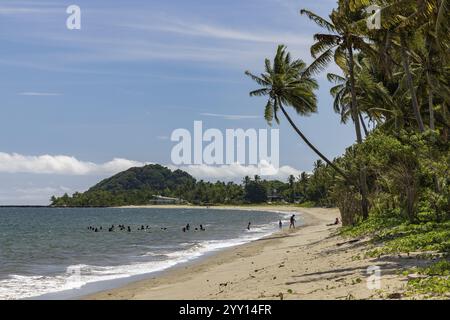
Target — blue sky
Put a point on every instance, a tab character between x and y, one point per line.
136	71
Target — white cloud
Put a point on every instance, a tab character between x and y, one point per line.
230	116
60	164
235	172
66	165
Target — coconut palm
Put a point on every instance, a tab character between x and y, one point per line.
286	84
402	20
338	44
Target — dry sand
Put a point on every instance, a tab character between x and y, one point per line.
305	263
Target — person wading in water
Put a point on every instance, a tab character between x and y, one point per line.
292	224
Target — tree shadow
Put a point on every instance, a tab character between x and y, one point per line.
389	265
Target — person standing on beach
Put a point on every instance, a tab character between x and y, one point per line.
292	224
280	224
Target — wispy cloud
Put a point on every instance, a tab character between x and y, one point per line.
40	94
176	26
230	116
151	37
9	7
21	11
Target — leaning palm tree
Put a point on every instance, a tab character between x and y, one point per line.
285	83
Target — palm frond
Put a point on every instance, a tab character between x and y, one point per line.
332	77
323	43
260	92
268	112
257	79
320	63
318	20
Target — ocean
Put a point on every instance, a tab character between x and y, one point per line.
51	250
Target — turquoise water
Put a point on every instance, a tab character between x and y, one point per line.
47	250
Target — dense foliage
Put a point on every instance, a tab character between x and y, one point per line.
138	186
393	86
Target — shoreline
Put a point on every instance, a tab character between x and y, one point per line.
168	283
312	262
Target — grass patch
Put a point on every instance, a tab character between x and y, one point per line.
436	282
373	225
399	236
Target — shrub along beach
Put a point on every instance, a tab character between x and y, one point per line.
391	188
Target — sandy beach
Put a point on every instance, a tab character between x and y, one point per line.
310	262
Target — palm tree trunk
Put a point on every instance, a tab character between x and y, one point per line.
409	81
366	132
444	115
430	90
430	107
355	112
331	164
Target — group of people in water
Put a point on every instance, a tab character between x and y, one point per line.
188	227
122	227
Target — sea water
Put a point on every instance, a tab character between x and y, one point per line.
48	250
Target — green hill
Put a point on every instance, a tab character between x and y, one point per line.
134	186
154	177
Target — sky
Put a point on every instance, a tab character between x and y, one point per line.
80	105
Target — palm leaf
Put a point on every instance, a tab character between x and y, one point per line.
268	112
332	77
320	63
257	79
318	20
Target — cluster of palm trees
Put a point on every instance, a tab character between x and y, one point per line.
394	77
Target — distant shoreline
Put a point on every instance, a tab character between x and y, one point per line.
24	206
